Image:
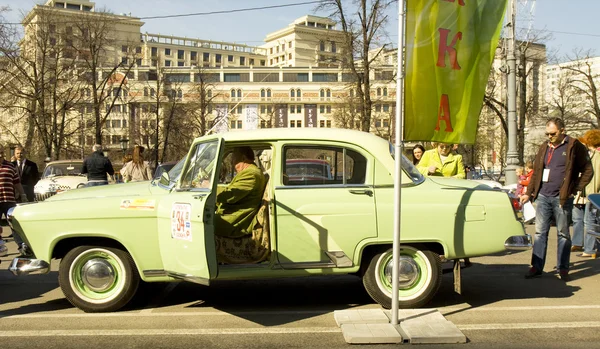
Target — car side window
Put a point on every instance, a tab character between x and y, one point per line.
305	165
198	173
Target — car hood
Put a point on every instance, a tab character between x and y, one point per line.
122	189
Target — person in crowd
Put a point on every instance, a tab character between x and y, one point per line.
28	172
97	167
137	169
527	173
417	153
520	177
561	169
11	192
440	161
238	203
591	139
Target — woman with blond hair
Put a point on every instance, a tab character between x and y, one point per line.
137	169
591	139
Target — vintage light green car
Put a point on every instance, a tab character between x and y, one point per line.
110	237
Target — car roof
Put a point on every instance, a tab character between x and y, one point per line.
65	162
306	133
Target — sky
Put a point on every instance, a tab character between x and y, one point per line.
570	23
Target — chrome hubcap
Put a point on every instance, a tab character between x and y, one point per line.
408	272
98	274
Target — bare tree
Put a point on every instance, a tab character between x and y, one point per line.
39	83
203	92
95	42
361	32
582	78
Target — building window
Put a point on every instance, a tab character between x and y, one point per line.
298	93
217	58
167	52
180	64
329	123
239	93
124	60
386	108
251	61
290	56
321	45
180	54
263	109
206	57
193	55
385	92
271	51
154	51
333	48
292	123
379	91
242	60
123	48
378	108
322	123
268	93
230	58
232	93
138	50
271	61
263	63
292	93
138	61
290	44
167	63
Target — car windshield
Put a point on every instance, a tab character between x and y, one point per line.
408	167
64	169
175	172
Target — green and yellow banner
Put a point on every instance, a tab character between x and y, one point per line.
450	46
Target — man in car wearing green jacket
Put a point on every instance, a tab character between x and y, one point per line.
238	203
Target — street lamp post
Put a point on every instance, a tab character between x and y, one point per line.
124	143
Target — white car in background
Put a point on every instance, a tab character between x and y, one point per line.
60	176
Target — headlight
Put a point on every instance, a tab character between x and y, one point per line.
9	216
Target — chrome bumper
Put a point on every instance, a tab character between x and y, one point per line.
24	266
518	242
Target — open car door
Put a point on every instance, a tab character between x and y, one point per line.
185	217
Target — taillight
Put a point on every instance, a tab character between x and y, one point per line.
516	203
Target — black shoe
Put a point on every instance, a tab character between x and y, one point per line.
564	275
533	273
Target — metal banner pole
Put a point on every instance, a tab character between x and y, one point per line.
398	163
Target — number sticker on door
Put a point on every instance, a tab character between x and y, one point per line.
181	225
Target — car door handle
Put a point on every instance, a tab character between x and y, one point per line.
368	192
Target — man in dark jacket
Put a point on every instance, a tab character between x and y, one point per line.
28	172
561	168
97	166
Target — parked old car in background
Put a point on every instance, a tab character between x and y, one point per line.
62	175
110	238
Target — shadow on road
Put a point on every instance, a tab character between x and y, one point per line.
484	284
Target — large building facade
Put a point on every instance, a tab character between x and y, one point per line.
294	80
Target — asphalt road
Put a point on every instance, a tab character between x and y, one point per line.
498	308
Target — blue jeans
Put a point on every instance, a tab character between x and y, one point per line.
93	184
578	217
591	220
547	207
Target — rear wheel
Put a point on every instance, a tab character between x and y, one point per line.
98	279
420	276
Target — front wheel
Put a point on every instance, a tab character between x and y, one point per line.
98	279
420	276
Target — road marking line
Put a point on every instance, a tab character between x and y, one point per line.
274	330
526	326
151	312
163	332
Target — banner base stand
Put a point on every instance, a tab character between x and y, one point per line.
417	326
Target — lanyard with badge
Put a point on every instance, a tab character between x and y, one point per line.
546	173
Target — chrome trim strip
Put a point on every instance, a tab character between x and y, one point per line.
190	278
25	266
324	186
154	273
307	265
518	242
